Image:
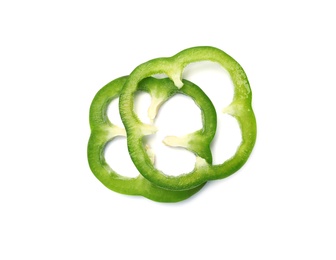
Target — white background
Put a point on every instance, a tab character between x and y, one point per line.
56	55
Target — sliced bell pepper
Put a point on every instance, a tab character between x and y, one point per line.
103	131
240	108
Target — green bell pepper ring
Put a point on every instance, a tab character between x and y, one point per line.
240	108
103	131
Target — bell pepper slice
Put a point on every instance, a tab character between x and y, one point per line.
240	108
103	131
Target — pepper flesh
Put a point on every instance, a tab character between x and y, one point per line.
240	108
103	131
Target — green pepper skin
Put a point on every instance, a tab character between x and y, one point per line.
103	131
240	108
